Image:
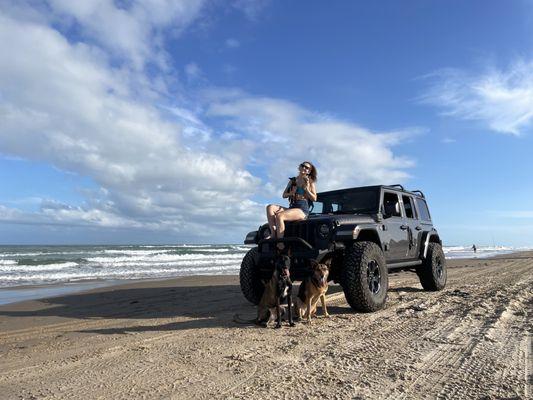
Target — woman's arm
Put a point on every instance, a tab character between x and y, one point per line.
289	190
310	191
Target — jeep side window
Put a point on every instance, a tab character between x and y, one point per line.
325	207
408	207
391	205
423	210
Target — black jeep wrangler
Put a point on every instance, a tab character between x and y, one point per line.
363	234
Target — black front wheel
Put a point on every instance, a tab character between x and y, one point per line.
251	285
364	277
432	273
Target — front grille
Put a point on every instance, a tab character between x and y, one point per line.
302	229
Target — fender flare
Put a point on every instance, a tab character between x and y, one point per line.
427	241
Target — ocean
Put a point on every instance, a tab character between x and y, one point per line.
42	265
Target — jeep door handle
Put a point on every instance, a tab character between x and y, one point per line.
418	228
403	227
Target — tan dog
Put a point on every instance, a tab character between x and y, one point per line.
312	289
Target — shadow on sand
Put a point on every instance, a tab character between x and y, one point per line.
206	306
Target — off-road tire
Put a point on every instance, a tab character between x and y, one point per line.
364	277
432	273
251	285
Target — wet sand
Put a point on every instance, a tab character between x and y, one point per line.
177	339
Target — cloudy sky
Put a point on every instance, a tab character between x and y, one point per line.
166	121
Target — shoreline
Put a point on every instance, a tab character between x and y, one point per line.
20	294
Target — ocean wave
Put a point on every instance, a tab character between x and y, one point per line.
193	245
452	252
8	262
136	252
47	261
182	263
161	258
41	267
11	255
120	274
212	250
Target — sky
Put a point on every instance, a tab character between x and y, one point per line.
163	121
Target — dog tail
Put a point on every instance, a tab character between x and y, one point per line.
237	319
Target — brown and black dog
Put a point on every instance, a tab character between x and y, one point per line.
313	288
277	290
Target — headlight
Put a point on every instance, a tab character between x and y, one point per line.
323	230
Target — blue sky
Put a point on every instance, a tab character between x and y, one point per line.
178	121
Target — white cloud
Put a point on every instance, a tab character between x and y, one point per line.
80	114
158	165
232	43
286	134
448	140
132	30
193	71
514	214
251	8
500	99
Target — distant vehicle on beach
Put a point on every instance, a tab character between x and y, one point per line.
363	234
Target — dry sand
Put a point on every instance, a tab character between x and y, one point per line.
176	339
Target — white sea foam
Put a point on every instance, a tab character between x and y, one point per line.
161	258
180	246
482	251
136	252
11	255
8	262
11	280
41	267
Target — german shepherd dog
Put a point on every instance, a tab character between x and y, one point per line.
313	288
277	290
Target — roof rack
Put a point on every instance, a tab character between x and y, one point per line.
419	191
397	185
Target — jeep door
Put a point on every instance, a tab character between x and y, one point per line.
395	231
414	227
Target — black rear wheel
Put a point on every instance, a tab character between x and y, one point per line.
364	277
432	273
251	285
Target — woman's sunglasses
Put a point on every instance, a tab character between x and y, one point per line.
307	167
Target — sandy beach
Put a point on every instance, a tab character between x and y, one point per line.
177	339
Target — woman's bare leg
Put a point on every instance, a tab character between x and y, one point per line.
271	211
291	214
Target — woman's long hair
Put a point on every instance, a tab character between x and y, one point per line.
313	174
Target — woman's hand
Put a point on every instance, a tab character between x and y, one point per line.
306	183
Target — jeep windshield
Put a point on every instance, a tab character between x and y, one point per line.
363	201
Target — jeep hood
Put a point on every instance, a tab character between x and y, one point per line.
344	219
